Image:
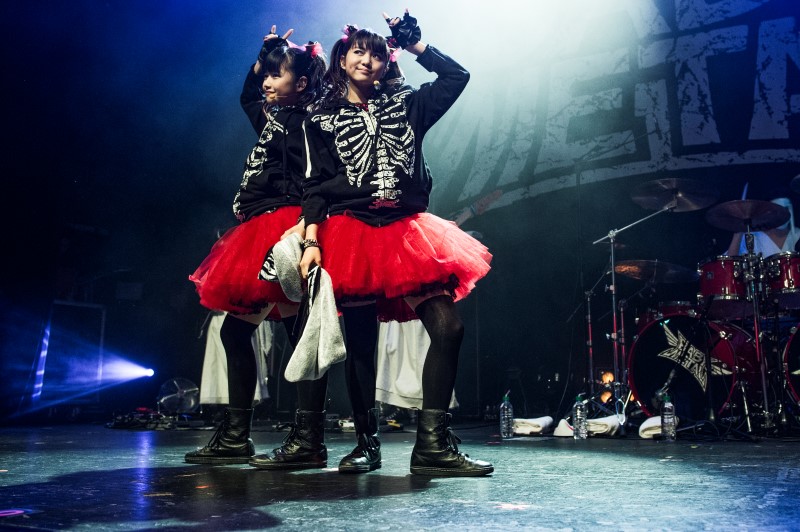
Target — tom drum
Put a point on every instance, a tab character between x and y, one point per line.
782	278
722	283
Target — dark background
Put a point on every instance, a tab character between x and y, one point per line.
123	147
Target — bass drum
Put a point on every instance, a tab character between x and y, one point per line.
791	365
658	357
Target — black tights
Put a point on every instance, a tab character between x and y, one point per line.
440	318
237	339
361	336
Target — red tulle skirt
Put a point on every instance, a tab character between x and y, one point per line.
410	257
228	280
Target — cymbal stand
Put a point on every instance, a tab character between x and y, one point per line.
753	293
775	354
615	331
593	398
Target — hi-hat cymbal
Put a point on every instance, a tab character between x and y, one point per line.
655	271
739	216
688	194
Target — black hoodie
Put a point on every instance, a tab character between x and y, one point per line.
369	164
273	172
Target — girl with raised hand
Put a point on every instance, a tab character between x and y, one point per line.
278	92
365	195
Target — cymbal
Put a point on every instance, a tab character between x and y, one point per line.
740	215
655	271
689	195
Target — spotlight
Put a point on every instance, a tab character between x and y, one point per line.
605	396
121	370
607	377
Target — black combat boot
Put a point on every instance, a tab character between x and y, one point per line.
366	456
231	444
436	451
303	448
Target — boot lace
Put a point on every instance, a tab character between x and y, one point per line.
453	441
292	436
214	441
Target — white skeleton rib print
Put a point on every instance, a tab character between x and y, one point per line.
258	156
379	143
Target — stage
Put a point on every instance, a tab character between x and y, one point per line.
88	476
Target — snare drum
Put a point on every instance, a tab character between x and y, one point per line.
723	278
782	278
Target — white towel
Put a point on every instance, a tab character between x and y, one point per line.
652	427
608	425
321	344
282	265
528	426
564	429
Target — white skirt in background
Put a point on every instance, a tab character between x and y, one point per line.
214	383
402	347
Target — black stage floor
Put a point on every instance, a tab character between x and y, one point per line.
89	477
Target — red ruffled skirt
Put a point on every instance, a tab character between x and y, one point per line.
227	279
413	256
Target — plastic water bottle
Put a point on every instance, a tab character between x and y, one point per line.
668	422
580	430
506	417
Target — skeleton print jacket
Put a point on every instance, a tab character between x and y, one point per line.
273	172
368	163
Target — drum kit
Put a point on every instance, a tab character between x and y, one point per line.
730	358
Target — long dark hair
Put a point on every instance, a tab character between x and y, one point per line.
308	61
335	80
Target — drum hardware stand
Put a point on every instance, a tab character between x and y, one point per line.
615	331
589	346
590	349
783	396
753	292
745	406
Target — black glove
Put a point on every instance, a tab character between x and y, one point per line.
268	46
406	32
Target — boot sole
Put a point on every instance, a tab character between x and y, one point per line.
218	461
445	472
356	470
289	466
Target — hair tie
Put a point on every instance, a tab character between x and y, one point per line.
348	30
313	48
